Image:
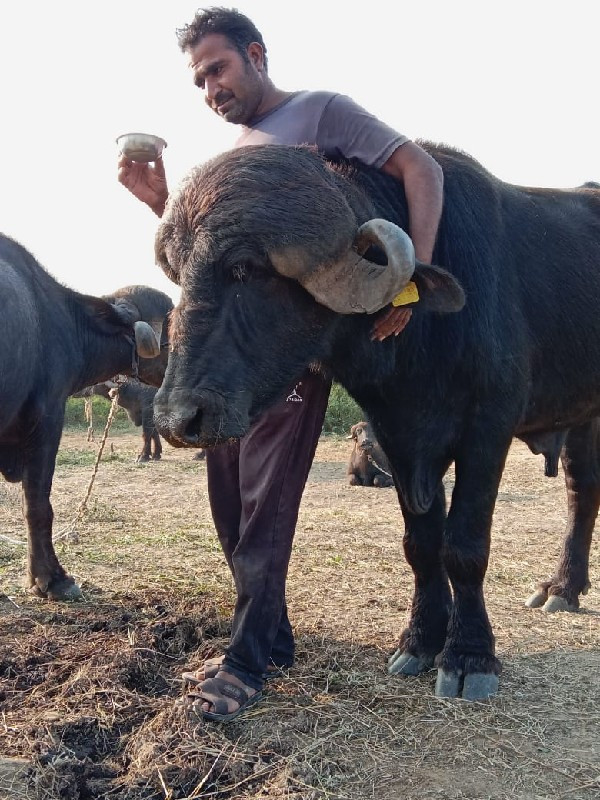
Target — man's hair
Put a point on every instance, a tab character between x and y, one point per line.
228	22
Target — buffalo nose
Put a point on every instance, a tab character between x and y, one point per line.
176	418
179	430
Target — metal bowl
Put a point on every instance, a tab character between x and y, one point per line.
141	147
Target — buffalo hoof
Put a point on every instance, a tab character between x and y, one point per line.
141	459
65	591
550	602
475	686
537	599
406	664
62	590
556	603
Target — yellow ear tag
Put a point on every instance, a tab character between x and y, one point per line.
410	294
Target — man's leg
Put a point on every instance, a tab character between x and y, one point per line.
275	459
223	478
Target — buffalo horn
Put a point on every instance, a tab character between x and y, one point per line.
354	285
157	326
145	340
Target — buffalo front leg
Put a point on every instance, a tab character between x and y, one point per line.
425	635
354	479
581	463
467	665
45	575
146	450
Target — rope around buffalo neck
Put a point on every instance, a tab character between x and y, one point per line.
69	533
381	469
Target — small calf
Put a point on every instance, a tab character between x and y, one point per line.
368	465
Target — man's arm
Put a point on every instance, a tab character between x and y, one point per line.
423	181
348	129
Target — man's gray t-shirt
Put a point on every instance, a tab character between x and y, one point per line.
333	122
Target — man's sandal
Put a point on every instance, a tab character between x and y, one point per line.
214	691
211	667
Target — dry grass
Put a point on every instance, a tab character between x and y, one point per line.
90	691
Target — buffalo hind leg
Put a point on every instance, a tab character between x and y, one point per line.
157	452
424	638
581	463
146	451
45	575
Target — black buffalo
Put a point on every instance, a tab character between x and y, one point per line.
279	254
53	342
368	464
138	401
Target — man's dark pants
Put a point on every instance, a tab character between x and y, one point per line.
255	487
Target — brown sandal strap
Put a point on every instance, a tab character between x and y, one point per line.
227	689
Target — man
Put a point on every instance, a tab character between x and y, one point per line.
255	485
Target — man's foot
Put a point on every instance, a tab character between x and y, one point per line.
211	667
223	698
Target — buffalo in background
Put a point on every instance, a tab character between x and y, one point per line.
134	396
137	400
368	464
283	256
53	342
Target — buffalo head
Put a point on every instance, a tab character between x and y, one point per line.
362	435
120	318
272	247
143	304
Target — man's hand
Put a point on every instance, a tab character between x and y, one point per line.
392	322
146	182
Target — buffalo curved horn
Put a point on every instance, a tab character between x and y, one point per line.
145	340
353	284
157	326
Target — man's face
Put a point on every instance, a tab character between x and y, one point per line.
232	87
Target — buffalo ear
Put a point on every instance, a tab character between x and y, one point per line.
438	290
104	315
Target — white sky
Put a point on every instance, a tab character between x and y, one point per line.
514	83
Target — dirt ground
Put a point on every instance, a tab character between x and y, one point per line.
89	691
